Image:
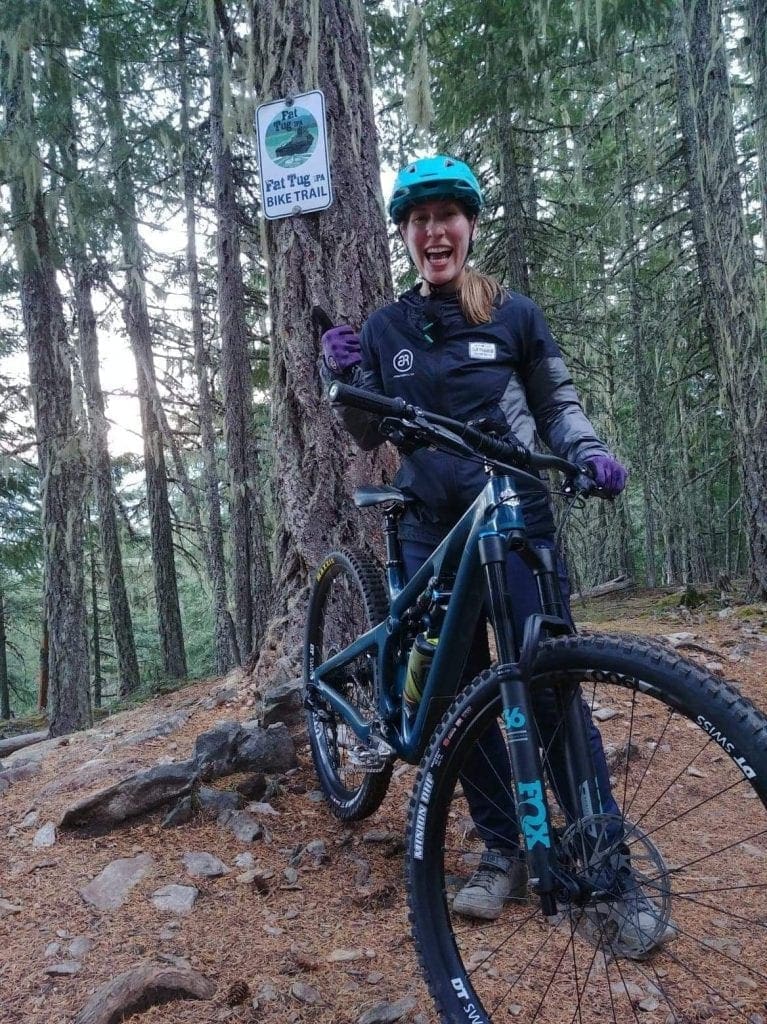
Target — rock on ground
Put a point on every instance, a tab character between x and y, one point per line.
175	899
110	887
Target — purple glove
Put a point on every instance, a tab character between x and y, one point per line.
341	348
609	475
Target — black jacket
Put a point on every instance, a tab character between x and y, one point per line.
424	350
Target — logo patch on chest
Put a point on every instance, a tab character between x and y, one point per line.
482	350
403	361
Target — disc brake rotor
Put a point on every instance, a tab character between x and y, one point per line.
628	913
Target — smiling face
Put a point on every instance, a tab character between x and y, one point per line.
437	234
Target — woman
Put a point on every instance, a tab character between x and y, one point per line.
459	345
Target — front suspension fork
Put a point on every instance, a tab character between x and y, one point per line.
521	731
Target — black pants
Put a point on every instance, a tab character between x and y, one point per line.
486	778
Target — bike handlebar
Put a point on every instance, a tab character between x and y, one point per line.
456	436
369	401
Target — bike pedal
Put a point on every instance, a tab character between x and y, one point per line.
374	758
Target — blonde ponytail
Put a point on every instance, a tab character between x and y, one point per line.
478	294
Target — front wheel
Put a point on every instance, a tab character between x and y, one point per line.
346	600
675	926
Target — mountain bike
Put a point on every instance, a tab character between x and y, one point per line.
687	756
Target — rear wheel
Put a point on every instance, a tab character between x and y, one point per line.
675	928
347	599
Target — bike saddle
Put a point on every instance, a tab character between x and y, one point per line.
391	499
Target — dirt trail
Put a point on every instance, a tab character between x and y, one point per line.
327	938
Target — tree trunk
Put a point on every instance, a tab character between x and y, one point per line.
513	213
757	16
100	461
43	674
101	470
641	365
59	443
616	514
5	690
95	626
227	653
251	571
725	255
139	330
337	259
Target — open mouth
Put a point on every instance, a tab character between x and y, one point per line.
438	257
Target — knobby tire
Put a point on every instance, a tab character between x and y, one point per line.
347	599
688	762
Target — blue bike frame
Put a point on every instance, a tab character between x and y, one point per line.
495	513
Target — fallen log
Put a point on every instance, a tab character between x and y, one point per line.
24	739
138	989
619	583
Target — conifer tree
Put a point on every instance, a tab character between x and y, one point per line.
733	305
139	330
227	651
337	259
252	581
60	447
100	461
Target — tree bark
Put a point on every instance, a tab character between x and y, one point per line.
98	433
21	740
139	330
757	18
139	989
616	515
337	259
514	232
43	676
95	624
251	571
641	365
732	303
5	693
60	449
227	653
101	469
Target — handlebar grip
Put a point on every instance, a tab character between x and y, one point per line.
359	398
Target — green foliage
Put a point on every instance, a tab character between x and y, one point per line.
582	94
576	97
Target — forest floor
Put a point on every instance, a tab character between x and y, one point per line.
326	940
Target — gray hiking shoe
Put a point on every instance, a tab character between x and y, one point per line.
633	924
497	880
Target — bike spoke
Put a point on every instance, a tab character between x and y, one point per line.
679	875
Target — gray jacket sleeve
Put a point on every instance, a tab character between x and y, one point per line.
361	425
552	398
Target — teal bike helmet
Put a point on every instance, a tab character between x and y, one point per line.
434	177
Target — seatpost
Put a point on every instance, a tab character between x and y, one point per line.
393	553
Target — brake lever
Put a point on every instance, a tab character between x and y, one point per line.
404	435
583	486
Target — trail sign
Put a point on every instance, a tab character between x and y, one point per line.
293	155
